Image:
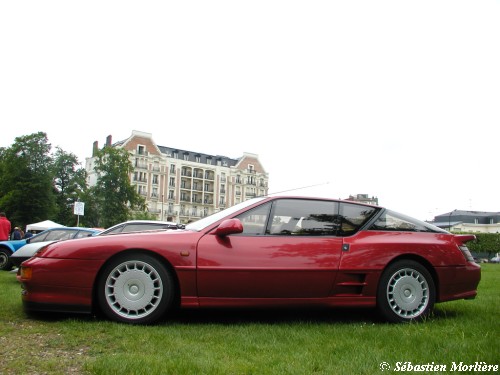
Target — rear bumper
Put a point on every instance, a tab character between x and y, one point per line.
458	282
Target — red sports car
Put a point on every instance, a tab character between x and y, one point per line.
264	252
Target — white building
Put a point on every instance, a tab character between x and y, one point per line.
181	185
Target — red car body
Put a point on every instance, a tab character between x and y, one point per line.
355	256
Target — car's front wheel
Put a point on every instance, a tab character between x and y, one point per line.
406	292
135	288
5	263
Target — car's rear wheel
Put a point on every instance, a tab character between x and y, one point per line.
406	292
135	288
5	263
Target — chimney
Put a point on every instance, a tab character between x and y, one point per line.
95	149
108	141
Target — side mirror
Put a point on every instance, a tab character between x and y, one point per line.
229	226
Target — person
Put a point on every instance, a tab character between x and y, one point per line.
28	234
5	227
16	234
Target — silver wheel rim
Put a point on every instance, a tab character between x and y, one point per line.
3	259
408	293
133	289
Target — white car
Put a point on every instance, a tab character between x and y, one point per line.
28	250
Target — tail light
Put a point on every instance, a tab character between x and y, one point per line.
461	241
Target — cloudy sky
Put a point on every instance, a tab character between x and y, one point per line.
394	99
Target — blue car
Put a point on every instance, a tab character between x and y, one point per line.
7	248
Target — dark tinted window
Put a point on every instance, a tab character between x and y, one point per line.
393	221
303	218
353	216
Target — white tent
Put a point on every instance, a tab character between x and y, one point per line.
47	224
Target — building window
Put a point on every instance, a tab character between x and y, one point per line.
186	156
171	181
209	161
198	158
172	168
141	150
476	221
170	194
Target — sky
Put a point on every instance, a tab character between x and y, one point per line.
395	99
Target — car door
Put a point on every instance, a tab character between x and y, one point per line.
289	249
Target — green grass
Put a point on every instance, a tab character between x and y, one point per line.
249	342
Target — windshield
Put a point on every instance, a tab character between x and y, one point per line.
209	220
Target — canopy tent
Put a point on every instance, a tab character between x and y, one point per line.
47	224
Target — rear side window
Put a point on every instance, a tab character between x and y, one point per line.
353	216
393	221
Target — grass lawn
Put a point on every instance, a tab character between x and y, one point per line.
251	342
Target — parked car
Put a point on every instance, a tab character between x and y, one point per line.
7	248
264	252
495	259
28	250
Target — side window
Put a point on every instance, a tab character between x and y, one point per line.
353	216
83	233
60	235
254	221
304	218
393	221
140	227
39	237
117	229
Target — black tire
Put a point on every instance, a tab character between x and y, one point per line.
5	263
406	292
135	288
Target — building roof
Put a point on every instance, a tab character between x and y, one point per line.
192	155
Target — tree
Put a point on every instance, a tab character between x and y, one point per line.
26	188
69	183
115	196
